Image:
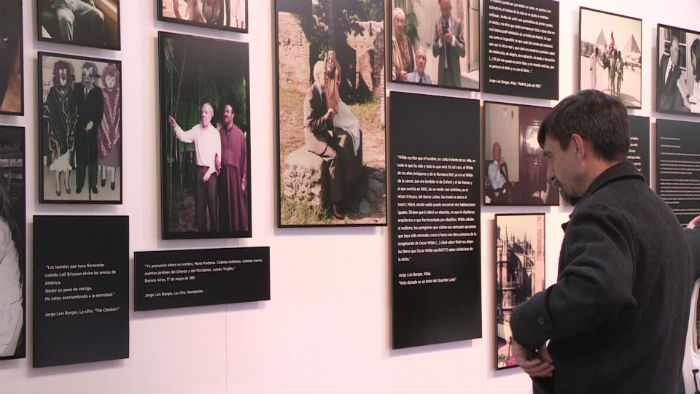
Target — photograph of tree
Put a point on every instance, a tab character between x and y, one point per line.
92	23
11	75
331	120
520	273
81	129
216	14
435	43
12	243
205	136
611	55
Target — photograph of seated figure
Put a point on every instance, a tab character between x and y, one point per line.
92	23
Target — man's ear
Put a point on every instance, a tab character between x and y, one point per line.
579	145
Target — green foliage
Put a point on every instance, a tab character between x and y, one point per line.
296	212
411	27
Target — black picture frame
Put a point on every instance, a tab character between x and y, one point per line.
421	30
11	59
669	97
13	229
514	128
167	13
108	137
216	72
303	179
521	255
593	28
105	12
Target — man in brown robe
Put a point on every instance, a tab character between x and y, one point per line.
233	198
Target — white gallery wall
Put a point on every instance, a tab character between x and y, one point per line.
327	327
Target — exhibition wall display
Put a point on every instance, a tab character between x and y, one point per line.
521	40
330	136
81	129
678	72
435	44
81	289
205	137
613	67
219	328
12	243
11	55
217	14
435	251
92	23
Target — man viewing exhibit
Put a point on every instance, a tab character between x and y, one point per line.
616	319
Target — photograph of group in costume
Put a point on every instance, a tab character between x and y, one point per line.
92	23
205	137
80	118
217	14
435	43
611	55
520	273
12	243
331	118
678	72
515	169
11	75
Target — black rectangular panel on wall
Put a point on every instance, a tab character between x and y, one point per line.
639	145
521	42
435	194
81	289
181	278
678	167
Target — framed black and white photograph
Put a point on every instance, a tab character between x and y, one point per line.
519	252
205	137
515	169
678	72
331	119
435	44
11	55
216	14
610	55
80	289
91	23
80	133
12	243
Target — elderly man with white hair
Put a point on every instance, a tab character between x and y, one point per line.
402	56
207	143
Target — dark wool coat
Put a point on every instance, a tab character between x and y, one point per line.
617	316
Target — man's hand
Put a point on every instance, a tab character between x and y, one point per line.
172	122
243	182
694	223
89	126
535	364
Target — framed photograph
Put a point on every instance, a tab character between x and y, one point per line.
435	44
519	252
80	118
610	58
12	243
11	55
216	14
91	23
678	72
81	289
205	137
515	170
331	119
